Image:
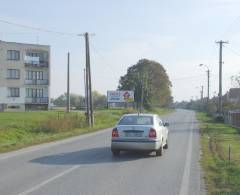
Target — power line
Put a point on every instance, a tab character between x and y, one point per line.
233	51
181	78
37	28
101	57
230	26
18	33
188	77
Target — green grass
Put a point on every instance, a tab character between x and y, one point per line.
21	129
221	175
18	130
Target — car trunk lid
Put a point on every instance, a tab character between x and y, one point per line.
133	131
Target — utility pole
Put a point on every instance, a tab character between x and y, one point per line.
87	86
208	83
142	91
88	83
201	93
68	82
208	86
144	79
85	89
220	75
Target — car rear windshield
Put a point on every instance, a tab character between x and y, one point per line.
136	120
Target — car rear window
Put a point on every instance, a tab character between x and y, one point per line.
136	120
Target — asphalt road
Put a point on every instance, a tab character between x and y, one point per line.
84	165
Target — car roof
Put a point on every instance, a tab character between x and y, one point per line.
140	114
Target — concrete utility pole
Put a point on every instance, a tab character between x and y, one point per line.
208	86
88	83
201	93
208	82
85	89
142	91
144	78
68	82
220	76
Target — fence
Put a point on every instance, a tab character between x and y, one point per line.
234	118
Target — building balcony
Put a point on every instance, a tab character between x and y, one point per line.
36	100
36	64
31	61
36	82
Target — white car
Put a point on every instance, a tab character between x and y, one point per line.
144	132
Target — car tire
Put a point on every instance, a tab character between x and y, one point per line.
116	152
166	145
159	152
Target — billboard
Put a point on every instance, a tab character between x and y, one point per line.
120	96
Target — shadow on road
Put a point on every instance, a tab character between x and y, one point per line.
90	156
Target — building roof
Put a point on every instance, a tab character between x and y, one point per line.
234	93
30	44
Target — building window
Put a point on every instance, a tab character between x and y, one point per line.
34	93
13	55
34	75
13	92
13	74
29	75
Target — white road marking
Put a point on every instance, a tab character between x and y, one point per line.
187	167
49	180
47	145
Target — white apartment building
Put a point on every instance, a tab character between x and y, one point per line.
24	76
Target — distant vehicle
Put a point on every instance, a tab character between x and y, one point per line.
143	132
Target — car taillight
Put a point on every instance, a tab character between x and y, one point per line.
115	132
152	133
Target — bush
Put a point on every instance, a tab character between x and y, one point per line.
129	110
64	123
219	118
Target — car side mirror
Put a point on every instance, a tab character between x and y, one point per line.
166	124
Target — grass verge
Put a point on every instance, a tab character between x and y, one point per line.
18	130
161	111
221	166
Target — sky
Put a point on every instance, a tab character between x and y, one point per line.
180	35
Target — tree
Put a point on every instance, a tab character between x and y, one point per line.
149	78
60	101
236	80
78	101
99	100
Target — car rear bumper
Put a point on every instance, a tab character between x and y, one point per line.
142	145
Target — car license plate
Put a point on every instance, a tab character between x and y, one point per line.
131	134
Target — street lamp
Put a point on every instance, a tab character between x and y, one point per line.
208	77
201	92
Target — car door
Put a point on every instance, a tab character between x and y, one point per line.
163	129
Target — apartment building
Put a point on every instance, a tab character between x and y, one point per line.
24	76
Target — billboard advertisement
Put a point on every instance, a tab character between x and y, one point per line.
120	96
